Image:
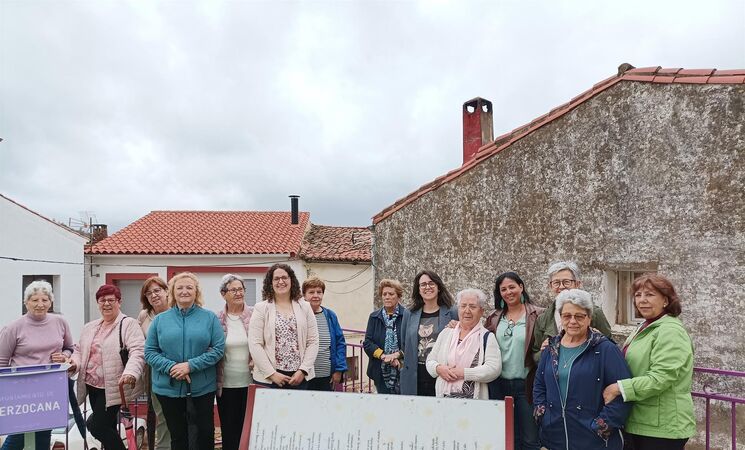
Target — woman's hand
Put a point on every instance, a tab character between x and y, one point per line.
72	369
396	363
58	358
446	373
127	379
458	372
180	371
611	392
297	378
279	379
389	358
452	324
335	378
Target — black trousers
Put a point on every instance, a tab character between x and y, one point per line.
103	421
425	384
320	384
637	442
231	406
174	410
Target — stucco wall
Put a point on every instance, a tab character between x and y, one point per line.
641	175
349	291
27	236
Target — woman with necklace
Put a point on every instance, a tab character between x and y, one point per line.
283	333
513	322
383	339
431	311
574	369
233	374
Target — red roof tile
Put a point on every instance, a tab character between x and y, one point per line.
207	233
341	244
639	75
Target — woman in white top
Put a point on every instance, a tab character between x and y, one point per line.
465	358
233	374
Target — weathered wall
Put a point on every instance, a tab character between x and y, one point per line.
641	174
349	291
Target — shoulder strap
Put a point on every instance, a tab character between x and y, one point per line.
486	338
121	343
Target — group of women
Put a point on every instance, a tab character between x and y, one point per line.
572	386
184	356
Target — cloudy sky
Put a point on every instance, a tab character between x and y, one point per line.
121	108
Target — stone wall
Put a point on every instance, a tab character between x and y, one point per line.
641	176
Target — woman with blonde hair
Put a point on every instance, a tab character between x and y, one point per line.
183	347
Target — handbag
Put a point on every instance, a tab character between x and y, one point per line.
123	350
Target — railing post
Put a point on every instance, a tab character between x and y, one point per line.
734	426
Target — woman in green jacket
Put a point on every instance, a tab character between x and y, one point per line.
660	356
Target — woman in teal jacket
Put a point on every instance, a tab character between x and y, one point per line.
660	356
184	344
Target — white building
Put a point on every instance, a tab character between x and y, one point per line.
33	247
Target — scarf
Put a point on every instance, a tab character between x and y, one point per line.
390	373
462	354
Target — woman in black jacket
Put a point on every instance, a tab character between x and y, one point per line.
383	339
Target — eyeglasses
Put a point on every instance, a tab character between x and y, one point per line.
559	283
579	317
278	279
236	291
510	327
152	292
103	301
427	284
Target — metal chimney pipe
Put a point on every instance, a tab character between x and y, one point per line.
294	209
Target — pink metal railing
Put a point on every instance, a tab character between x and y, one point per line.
356	379
709	396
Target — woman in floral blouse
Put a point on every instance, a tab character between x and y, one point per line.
283	334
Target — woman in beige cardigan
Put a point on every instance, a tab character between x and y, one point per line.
282	334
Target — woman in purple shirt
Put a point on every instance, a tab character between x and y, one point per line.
36	338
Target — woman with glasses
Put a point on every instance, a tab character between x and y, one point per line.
513	322
574	369
153	297
431	310
283	333
184	344
233	374
97	357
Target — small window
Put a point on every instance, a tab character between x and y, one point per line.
251	293
618	301
626	313
28	279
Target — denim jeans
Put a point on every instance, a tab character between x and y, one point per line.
16	441
526	430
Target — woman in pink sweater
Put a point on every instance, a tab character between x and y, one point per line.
36	338
101	368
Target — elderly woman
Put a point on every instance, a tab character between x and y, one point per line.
233	374
35	338
574	369
513	322
184	344
102	368
660	355
465	358
431	311
154	300
283	334
383	339
331	362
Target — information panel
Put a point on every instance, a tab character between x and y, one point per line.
33	398
279	419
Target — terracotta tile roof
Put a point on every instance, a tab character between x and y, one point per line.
207	233
61	225
626	73
341	244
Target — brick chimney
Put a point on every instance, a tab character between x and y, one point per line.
478	126
99	232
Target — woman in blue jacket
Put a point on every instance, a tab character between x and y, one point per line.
383	339
573	371
184	344
331	362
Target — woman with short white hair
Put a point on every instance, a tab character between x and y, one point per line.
574	369
465	358
35	338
